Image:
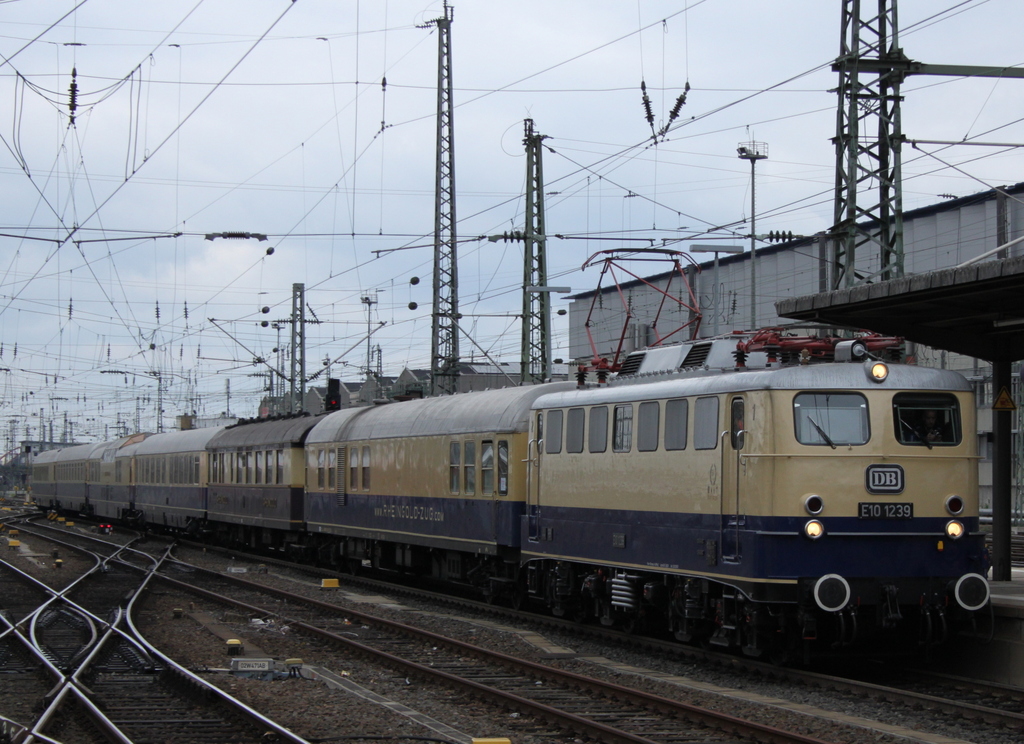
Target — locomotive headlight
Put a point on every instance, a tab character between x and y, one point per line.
955	505
954	529
814	529
878	371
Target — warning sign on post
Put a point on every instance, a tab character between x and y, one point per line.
1004	401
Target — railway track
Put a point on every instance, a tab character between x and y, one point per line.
90	676
605	711
998	709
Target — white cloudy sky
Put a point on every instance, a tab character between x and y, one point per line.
266	116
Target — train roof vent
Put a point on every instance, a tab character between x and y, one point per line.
697	355
632	364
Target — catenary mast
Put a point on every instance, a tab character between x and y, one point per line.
444	342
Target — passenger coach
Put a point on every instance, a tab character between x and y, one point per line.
435	486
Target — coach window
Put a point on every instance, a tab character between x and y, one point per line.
366	468
574	426
598	433
332	455
454	464
829	419
705	423
268	474
469	467
676	412
487	467
259	467
321	462
281	464
648	421
353	468
927	420
502	468
553	441
622	428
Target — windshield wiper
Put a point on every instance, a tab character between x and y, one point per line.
822	432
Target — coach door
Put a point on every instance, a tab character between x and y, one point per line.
533	461
733	440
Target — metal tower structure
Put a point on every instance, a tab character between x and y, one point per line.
535	357
868	188
444	342
868	192
297	394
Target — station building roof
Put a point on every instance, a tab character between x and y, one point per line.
976	310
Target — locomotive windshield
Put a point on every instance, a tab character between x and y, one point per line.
926	420
831	419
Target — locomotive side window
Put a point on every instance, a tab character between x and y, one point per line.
574	425
502	468
553	441
598	434
831	419
926	420
454	464
705	423
622	428
648	420
469	468
487	467
676	412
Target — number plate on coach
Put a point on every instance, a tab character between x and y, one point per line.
869	510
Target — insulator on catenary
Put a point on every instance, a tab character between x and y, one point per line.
647	104
73	96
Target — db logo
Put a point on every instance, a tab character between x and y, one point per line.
884	479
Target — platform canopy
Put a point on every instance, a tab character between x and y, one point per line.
977	310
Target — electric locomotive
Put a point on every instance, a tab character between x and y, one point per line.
729	497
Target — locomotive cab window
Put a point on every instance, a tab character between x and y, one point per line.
831	419
926	420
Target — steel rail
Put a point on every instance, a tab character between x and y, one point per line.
582	725
258	718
